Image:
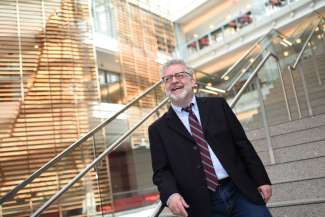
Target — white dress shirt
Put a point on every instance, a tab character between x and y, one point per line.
183	116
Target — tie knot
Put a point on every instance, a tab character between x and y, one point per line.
188	108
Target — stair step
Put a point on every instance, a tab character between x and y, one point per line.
295	153
298	190
304	210
297	125
297	170
293	138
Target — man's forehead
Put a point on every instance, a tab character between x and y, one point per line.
175	68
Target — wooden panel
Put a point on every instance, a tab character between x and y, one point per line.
47	85
138	32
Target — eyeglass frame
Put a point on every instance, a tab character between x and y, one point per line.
178	76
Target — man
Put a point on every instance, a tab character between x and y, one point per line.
203	163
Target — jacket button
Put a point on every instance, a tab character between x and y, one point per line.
194	148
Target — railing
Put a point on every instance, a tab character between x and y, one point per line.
253	78
94	162
73	146
10	195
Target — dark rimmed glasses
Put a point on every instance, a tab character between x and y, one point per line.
177	75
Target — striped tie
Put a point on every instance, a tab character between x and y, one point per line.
197	134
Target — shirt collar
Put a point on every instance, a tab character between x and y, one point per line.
179	110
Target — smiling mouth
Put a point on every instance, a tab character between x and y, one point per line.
176	88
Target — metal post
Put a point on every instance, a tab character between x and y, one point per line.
323	39
265	122
158	209
294	91
316	68
284	90
97	176
304	85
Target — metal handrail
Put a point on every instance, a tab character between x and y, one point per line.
251	49
293	67
94	162
243	73
118	142
73	146
250	78
245	55
160	206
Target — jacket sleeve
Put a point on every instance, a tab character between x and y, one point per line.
162	174
246	150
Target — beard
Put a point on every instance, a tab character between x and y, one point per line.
182	96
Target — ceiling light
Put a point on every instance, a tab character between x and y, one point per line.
195	35
286	53
251	60
211	26
287	42
317	29
298	40
226	78
284	44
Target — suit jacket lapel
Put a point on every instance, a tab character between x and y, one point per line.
204	113
175	124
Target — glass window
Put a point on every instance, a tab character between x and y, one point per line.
103	17
110	86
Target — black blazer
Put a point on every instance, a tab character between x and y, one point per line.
177	165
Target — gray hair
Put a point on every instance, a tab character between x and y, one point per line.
175	62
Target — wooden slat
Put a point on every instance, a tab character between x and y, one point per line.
52	115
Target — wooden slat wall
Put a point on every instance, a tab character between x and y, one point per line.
45	100
141	36
140	33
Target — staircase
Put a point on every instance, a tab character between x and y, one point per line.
298	175
274	100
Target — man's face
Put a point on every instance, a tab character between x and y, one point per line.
179	87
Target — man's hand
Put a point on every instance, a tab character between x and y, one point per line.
265	191
177	205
